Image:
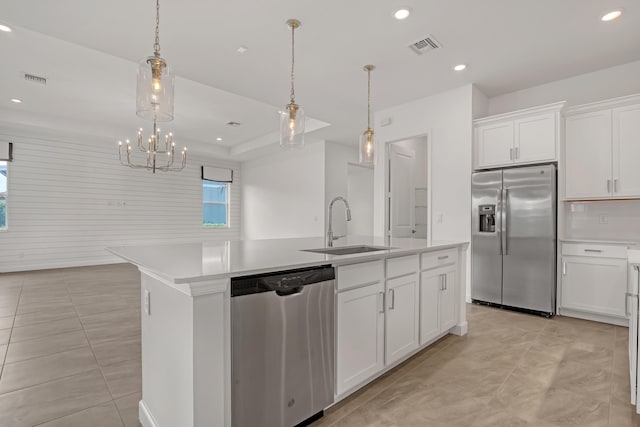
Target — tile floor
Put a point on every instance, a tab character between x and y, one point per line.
511	369
70	347
70	353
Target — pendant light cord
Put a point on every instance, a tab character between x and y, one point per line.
293	61
368	99
156	45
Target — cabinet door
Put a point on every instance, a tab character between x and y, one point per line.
626	151
588	155
401	317
535	139
360	335
594	285
431	284
494	144
448	301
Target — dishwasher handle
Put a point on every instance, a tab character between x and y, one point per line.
289	291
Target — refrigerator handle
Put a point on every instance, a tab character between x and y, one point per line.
499	218
504	222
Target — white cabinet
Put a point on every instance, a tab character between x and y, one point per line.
402	317
594	282
601	150
437	302
359	335
521	137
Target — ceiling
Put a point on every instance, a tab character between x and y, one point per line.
89	53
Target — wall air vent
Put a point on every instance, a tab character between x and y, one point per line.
233	124
425	45
35	79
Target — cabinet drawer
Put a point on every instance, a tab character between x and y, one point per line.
350	276
436	259
594	250
402	266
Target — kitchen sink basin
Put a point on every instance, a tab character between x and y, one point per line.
348	250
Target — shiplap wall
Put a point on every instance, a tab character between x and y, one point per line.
69	199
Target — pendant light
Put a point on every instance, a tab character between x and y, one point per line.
154	94
292	117
367	146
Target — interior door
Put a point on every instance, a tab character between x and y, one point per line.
486	254
401	191
529	238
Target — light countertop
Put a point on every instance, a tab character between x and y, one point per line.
601	241
211	260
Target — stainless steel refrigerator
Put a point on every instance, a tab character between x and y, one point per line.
513	244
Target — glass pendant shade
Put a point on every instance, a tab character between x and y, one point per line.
367	148
154	93
292	126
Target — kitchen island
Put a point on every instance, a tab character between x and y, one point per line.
186	372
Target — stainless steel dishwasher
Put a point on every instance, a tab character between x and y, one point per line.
282	347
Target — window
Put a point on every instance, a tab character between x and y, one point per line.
215	204
3	195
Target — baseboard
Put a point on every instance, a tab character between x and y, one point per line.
460	329
145	417
595	317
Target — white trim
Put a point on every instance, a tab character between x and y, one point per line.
548	108
595	317
145	417
192	289
460	329
604	105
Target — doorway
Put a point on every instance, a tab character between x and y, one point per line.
408	188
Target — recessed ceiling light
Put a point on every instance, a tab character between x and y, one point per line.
218	139
401	14
611	16
460	67
5	28
242	49
16	100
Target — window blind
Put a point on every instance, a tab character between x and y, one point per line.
211	173
6	151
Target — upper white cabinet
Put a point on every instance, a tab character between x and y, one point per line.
602	146
522	137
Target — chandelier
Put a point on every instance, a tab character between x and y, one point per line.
154	101
367	148
157	159
292	116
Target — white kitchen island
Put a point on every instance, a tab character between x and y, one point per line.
186	351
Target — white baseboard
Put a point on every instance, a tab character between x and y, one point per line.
460	329
145	417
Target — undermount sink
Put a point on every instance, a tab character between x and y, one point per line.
348	250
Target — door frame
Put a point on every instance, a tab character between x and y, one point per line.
386	158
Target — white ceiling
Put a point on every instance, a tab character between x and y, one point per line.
89	52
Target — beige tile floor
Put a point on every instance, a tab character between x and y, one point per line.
70	347
70	353
511	369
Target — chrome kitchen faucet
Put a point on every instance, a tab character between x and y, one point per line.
330	236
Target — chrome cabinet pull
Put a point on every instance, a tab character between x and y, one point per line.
608	186
444	276
564	268
517	153
628	295
392	297
443	257
593	250
615	185
510	153
381	299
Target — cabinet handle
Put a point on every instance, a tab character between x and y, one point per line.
564	268
392	297
615	185
443	257
444	276
442	282
608	186
517	152
381	299
510	153
593	250
626	300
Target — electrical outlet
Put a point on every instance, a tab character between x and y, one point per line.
604	219
147	302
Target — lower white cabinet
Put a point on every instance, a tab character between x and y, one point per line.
402	317
437	302
594	285
359	335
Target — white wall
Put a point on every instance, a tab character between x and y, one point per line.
360	196
337	158
284	194
606	220
446	117
69	198
596	86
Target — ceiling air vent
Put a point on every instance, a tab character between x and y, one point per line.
233	124
35	79
425	45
